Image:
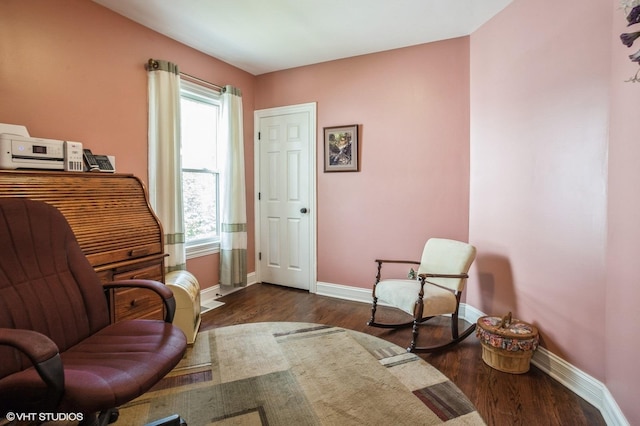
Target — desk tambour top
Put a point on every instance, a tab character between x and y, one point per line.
109	213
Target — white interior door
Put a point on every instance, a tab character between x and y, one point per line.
286	146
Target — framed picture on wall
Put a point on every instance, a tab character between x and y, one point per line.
341	148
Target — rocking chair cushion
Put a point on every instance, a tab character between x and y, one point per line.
403	294
443	256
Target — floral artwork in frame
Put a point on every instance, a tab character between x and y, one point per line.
341	148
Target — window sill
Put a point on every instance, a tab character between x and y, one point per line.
199	250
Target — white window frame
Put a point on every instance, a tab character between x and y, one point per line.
203	94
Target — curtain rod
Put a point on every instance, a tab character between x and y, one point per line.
201	81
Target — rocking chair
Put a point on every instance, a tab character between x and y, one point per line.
435	291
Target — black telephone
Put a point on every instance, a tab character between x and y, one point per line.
97	163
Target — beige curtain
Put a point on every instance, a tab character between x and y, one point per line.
165	168
233	235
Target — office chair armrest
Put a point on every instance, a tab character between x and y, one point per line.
37	347
160	289
43	354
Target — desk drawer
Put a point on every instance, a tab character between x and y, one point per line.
133	303
153	272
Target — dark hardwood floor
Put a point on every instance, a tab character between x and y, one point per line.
527	399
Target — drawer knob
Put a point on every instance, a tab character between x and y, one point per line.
140	277
133	303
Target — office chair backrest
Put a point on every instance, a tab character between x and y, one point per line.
46	283
443	256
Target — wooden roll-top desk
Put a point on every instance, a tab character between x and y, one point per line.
114	224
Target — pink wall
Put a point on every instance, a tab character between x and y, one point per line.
549	199
539	122
73	70
413	106
553	209
623	293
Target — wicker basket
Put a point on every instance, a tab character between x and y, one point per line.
508	362
507	345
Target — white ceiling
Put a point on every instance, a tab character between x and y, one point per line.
261	36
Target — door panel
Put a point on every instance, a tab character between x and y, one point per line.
285	142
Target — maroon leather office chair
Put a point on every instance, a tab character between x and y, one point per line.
58	350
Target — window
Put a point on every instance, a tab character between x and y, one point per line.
200	108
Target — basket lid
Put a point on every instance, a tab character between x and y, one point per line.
507	334
515	329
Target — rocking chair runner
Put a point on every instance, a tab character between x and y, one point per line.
442	275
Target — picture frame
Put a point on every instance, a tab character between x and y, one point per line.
341	148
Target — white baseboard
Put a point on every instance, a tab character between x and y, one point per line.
591	390
345	292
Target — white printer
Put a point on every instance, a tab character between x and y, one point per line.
18	150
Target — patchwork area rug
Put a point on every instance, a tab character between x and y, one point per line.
301	374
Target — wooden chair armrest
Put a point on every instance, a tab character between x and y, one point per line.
411	262
381	261
430	275
160	289
423	278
